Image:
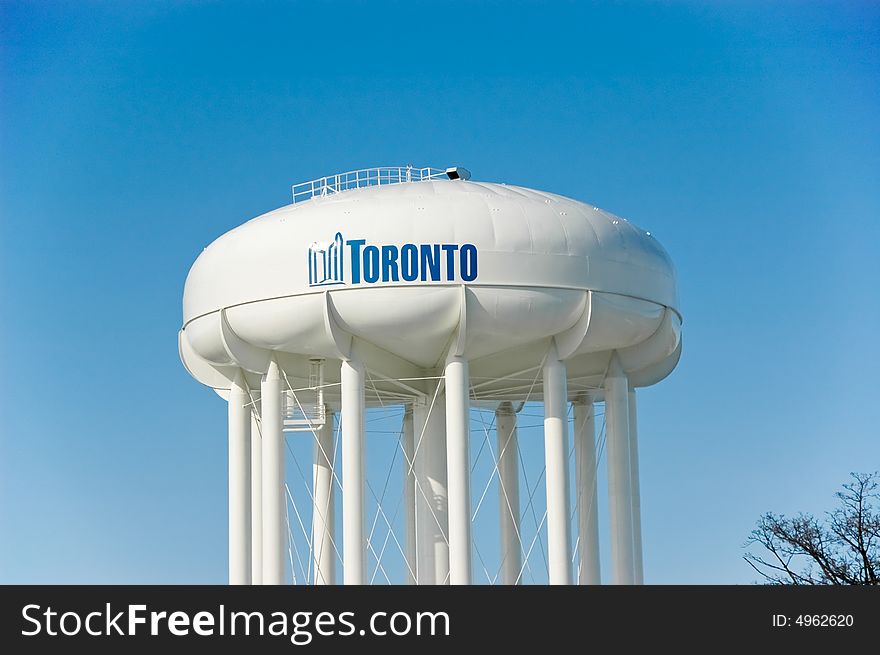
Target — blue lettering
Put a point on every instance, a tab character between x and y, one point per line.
409	262
389	264
355	245
468	266
371	264
450	249
430	262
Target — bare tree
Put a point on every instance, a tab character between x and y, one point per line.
842	550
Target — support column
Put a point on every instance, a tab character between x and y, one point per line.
458	469
256	499
639	569
585	472
409	493
323	513
432	499
274	530
353	545
619	481
508	493
556	460
239	483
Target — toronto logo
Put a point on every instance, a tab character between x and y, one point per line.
368	263
325	263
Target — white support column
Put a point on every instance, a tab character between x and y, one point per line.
508	493
458	469
274	498
323	553
409	493
432	500
619	482
353	544
239	483
256	499
639	567
588	515
556	460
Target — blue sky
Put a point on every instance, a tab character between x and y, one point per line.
744	135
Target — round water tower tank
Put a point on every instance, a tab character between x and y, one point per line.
409	269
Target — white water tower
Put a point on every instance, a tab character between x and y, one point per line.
424	290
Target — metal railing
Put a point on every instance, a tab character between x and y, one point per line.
380	176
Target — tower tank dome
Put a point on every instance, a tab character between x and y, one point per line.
400	271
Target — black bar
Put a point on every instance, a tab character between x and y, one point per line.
521	619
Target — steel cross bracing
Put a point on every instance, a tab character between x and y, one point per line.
381	536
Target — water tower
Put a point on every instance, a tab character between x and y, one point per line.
422	289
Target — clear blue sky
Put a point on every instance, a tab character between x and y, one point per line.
744	135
